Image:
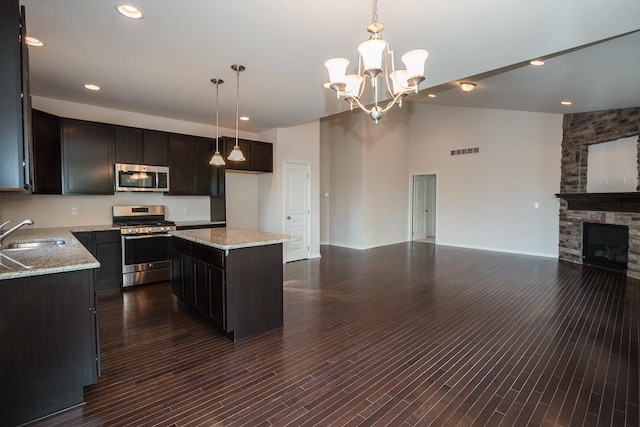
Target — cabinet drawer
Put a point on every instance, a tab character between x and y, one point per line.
181	246
209	255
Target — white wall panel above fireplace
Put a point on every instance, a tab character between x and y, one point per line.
612	166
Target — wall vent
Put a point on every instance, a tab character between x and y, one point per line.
459	151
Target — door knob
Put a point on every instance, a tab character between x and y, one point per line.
288	217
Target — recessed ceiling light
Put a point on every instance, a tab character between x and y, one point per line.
432	95
129	11
91	86
537	62
566	102
244	118
32	41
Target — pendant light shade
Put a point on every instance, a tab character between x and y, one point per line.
217	159
236	154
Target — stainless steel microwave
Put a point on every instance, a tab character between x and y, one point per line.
141	177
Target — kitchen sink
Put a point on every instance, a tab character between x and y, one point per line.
35	244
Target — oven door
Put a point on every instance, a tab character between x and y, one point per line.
145	259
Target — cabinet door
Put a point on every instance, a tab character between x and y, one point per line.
201	279
245	147
87	157
128	145
217	298
188	284
176	274
109	254
156	148
47	153
203	150
261	156
181	161
11	114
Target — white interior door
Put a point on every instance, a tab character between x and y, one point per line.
296	210
419	207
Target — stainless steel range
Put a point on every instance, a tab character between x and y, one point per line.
145	243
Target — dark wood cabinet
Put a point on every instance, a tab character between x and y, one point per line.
46	162
15	95
238	300
258	155
191	173
261	156
106	247
181	160
203	149
141	146
49	342
128	145
156	148
88	157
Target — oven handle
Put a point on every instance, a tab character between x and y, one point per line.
145	236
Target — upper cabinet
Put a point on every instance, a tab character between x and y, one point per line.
47	153
191	173
14	161
88	157
141	146
258	155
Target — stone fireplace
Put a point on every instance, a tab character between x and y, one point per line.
576	205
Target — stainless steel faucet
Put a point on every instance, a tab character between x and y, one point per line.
4	235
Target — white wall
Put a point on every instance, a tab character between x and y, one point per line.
487	200
384	176
346	179
299	143
241	192
55	210
325	183
365	173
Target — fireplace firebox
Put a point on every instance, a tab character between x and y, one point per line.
605	246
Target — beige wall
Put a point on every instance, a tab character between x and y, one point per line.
485	200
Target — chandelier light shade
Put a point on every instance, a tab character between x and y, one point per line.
236	154
217	159
376	61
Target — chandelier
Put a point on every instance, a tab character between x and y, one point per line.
373	63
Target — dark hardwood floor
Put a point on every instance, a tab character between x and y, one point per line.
407	334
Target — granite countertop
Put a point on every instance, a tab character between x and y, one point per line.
233	238
47	260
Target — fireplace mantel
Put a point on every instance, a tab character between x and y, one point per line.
607	202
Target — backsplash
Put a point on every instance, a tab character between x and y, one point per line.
56	210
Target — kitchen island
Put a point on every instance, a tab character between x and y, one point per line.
232	277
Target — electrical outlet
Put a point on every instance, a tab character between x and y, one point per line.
74	211
185	210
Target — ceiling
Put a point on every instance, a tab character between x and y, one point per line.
162	65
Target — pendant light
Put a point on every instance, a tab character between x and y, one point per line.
236	155
216	159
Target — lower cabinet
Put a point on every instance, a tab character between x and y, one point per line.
49	343
106	247
238	291
197	279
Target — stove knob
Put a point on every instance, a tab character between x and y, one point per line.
137	230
